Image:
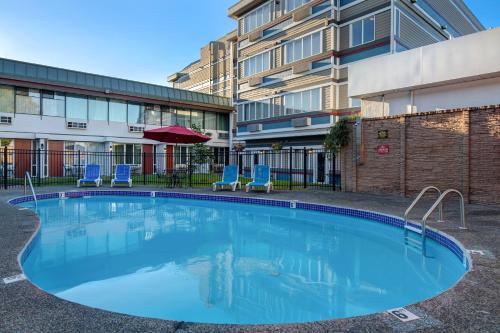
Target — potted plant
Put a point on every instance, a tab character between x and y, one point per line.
277	146
238	147
337	137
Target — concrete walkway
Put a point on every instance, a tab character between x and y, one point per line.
473	305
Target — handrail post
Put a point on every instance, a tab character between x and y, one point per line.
28	177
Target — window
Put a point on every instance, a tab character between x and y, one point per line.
197	118
6	99
184	118
222	122
254	110
256	18
210	120
363	31
76	107
118	111
304	47
27	101
127	154
98	108
303	101
167	116
152	114
293	4
257	64
135	114
53	104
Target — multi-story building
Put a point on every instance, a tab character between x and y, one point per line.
57	109
293	58
214	72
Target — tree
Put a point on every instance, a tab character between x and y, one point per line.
200	153
338	137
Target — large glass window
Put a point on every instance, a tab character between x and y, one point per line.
363	31
152	114
6	99
118	111
135	114
303	47
222	122
210	120
254	111
293	4
197	118
127	154
257	64
53	104
256	18
98	108
27	101
303	101
76	107
184	118
167	116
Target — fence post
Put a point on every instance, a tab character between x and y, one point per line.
305	167
78	166
334	170
5	165
190	166
290	169
39	166
144	168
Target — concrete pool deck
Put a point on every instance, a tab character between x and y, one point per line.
473	305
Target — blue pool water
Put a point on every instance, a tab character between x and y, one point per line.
219	262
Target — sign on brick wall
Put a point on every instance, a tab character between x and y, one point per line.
383	149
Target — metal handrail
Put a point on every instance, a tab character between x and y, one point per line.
438	202
417	199
27	178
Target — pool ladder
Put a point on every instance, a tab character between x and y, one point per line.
27	180
437	204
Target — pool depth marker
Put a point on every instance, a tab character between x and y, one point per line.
403	314
14	278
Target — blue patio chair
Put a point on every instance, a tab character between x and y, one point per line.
92	175
229	178
122	175
261	178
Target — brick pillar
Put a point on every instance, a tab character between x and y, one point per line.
402	157
348	163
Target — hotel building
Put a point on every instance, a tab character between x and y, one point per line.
54	109
214	72
293	58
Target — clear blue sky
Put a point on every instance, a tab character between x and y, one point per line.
140	40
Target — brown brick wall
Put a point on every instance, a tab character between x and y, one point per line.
485	156
449	149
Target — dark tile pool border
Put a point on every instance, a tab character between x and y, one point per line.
441	238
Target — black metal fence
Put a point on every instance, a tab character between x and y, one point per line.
290	168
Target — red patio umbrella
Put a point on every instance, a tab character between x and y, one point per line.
175	134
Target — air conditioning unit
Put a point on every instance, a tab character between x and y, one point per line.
254	127
4	120
301	122
136	129
76	125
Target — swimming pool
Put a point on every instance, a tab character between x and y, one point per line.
203	258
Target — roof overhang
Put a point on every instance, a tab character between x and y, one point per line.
242	7
468	58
